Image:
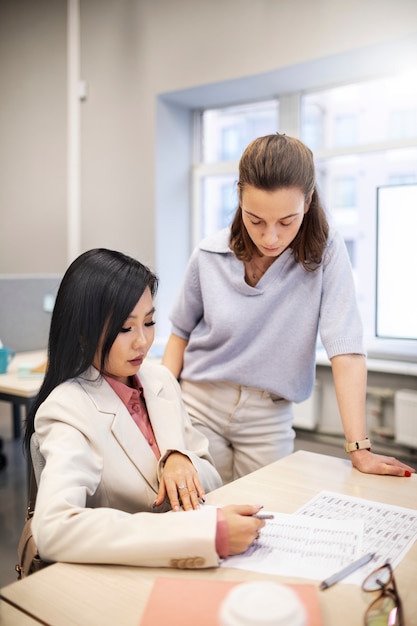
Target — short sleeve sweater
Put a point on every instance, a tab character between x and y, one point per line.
265	336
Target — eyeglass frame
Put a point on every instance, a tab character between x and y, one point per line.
385	591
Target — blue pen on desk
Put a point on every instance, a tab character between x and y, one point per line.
332	580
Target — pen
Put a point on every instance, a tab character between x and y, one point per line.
346	571
263	516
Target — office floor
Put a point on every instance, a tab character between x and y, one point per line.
13	503
13	495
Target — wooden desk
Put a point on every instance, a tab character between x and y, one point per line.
10	616
21	391
67	594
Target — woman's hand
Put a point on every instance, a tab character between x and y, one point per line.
370	463
242	527
180	482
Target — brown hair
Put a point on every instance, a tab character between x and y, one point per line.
280	162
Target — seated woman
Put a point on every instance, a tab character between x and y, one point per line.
120	450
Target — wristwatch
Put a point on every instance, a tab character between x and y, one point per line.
365	444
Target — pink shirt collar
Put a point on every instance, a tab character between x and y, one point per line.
124	391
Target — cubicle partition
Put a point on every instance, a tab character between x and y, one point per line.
26	303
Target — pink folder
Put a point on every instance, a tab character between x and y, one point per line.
190	601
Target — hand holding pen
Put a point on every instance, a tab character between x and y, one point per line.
244	523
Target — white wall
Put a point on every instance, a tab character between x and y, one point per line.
117	136
33	136
193	42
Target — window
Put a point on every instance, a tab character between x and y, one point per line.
227	132
360	114
344	192
345	130
396	226
366	139
224	135
403	124
218	202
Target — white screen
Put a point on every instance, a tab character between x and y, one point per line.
396	284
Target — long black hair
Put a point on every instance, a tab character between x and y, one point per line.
98	292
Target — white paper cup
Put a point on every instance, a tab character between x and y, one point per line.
262	604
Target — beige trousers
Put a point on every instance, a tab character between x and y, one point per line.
247	428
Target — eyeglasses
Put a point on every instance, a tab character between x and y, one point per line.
386	610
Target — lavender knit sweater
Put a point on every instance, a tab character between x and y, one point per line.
265	336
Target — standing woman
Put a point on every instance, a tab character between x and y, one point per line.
246	320
119	450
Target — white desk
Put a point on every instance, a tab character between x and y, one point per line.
68	594
21	391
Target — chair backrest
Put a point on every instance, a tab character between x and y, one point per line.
38	461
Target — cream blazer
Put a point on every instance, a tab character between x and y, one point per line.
101	477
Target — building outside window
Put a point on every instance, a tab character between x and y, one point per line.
222	136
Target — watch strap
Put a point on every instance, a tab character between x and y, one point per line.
364	444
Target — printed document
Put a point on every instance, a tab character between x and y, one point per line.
328	533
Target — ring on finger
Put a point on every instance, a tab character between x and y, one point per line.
182	486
